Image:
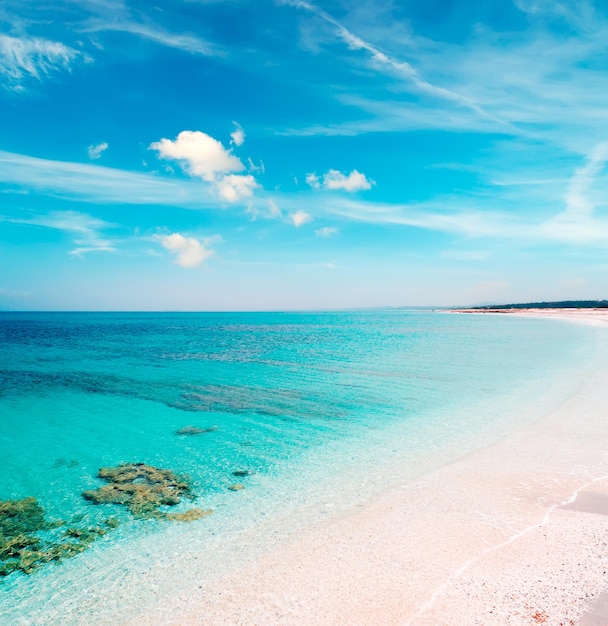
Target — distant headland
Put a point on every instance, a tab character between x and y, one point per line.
563	304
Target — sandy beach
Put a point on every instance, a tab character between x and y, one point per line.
516	533
595	317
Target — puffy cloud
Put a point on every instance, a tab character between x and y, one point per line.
203	156
95	151
188	251
234	187
326	232
334	180
199	154
238	135
32	57
300	217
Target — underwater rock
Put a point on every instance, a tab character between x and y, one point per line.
243	472
13	546
237	487
143	489
85	535
112	522
20	547
189	516
194	430
65	463
21	516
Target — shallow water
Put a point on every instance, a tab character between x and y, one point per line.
323	407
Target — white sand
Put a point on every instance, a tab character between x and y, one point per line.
499	537
595	317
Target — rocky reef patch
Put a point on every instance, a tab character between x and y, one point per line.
27	541
142	489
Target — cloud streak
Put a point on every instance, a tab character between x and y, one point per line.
99	184
24	58
85	229
151	32
391	64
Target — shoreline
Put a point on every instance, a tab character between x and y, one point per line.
591	316
503	536
388	538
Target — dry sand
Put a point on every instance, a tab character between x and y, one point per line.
514	534
595	317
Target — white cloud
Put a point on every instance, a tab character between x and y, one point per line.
334	180
188	251
32	57
238	135
235	187
300	217
202	156
312	180
355	181
188	43
326	231
95	151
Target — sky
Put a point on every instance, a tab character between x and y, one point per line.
291	155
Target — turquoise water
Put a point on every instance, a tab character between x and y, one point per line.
288	394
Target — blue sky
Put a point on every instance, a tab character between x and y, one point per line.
260	154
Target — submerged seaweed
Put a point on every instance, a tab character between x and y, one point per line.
142	489
23	544
28	540
188	516
195	430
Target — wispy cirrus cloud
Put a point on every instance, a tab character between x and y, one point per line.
483	84
85	229
389	63
36	58
152	32
573	213
99	184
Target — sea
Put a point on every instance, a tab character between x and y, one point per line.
321	412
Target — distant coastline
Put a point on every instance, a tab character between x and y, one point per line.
562	304
591	312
